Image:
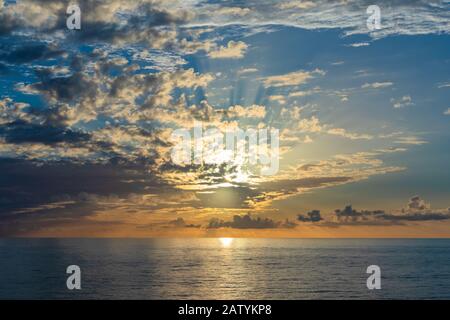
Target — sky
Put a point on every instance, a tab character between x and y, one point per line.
88	116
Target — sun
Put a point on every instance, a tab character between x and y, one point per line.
226	242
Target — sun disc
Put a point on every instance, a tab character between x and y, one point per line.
226	242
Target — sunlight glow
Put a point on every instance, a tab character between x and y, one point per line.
226	242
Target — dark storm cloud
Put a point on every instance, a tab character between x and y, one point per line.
22	132
66	89
25	184
8	23
111	21
36	196
149	16
29	53
145	26
311	216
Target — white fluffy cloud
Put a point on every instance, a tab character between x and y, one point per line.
404	101
233	50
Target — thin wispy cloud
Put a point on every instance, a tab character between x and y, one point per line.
377	85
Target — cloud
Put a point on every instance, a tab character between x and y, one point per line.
412	140
444	85
416	210
427	216
180	223
233	50
447	112
304	93
404	101
297	5
281	99
359	44
292	182
29	52
154	23
311	216
94	124
309	125
379	217
130	144
82	95
247	70
358	166
349	213
401	17
234	11
313	125
145	21
353	136
376	85
247	222
254	111
416	203
66	178
20	132
291	79
307	139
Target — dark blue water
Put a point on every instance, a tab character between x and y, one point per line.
215	269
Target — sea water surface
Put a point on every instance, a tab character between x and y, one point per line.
224	268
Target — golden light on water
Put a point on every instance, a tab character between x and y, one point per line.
226	242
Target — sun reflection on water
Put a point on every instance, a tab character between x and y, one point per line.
226	242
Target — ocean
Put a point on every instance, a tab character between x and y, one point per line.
225	268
